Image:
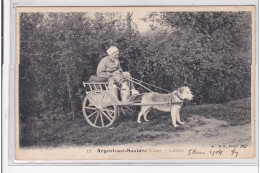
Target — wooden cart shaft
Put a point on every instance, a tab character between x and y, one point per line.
147	104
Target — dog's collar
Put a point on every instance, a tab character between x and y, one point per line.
177	96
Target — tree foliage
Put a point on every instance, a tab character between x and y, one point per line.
215	49
58	51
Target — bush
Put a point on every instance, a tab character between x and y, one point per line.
58	51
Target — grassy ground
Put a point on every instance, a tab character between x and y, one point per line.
51	133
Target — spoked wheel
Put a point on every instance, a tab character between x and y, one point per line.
99	109
127	110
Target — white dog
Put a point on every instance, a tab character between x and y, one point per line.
175	100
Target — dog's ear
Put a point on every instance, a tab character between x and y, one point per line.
181	90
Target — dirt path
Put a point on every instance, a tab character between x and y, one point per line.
204	132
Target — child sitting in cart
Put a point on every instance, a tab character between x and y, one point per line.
109	68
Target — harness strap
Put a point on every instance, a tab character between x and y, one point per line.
171	100
138	82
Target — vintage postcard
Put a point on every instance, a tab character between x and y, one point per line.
135	83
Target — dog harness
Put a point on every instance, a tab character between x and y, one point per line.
172	100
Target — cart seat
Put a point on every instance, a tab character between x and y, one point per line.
94	78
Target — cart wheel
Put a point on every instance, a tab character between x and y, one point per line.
99	109
126	110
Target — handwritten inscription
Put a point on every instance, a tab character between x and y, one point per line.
195	152
234	152
215	152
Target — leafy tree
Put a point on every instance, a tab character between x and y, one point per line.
58	51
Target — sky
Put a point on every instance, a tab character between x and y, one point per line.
137	21
140	24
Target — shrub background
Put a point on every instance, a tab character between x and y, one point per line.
58	51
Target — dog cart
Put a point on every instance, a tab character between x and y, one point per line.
101	108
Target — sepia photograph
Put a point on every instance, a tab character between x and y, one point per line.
135	83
